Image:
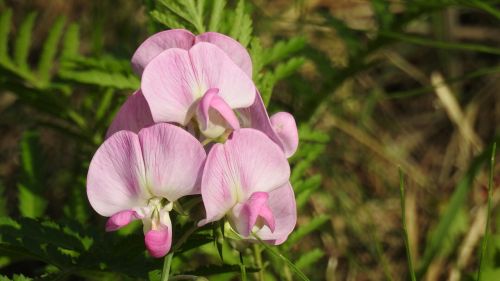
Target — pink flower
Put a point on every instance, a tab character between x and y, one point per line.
132	116
140	176
280	128
246	179
136	114
214	114
202	84
183	39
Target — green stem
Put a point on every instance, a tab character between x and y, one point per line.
403	214
166	266
488	213
258	259
184	237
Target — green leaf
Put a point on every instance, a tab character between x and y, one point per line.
31	202
71	42
23	41
167	19
5	21
287	68
101	78
216	15
304	230
49	50
383	14
186	10
311	257
277	254
241	25
16	277
104	104
283	49
257	54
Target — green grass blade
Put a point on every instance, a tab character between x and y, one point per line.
50	49
419	40
309	258
488	213
302	231
277	254
405	230
5	20
23	41
457	201
485	6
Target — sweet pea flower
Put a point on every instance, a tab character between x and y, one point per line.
136	114
140	176
183	39
201	84
132	116
280	128
246	179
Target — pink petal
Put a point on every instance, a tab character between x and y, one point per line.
132	116
173	160
282	205
212	100
245	216
115	180
256	117
157	43
231	47
247	162
214	69
170	86
286	129
121	219
158	242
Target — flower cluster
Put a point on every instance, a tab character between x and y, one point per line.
197	125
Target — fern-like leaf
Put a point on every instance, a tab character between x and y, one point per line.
216	15
5	20
23	40
49	50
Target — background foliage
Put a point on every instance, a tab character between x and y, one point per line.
375	86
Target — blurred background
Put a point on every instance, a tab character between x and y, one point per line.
378	86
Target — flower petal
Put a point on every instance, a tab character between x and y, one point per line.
121	219
115	180
246	215
231	47
282	204
214	69
159	241
286	129
132	116
170	86
173	161
256	117
214	115
157	43
247	162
